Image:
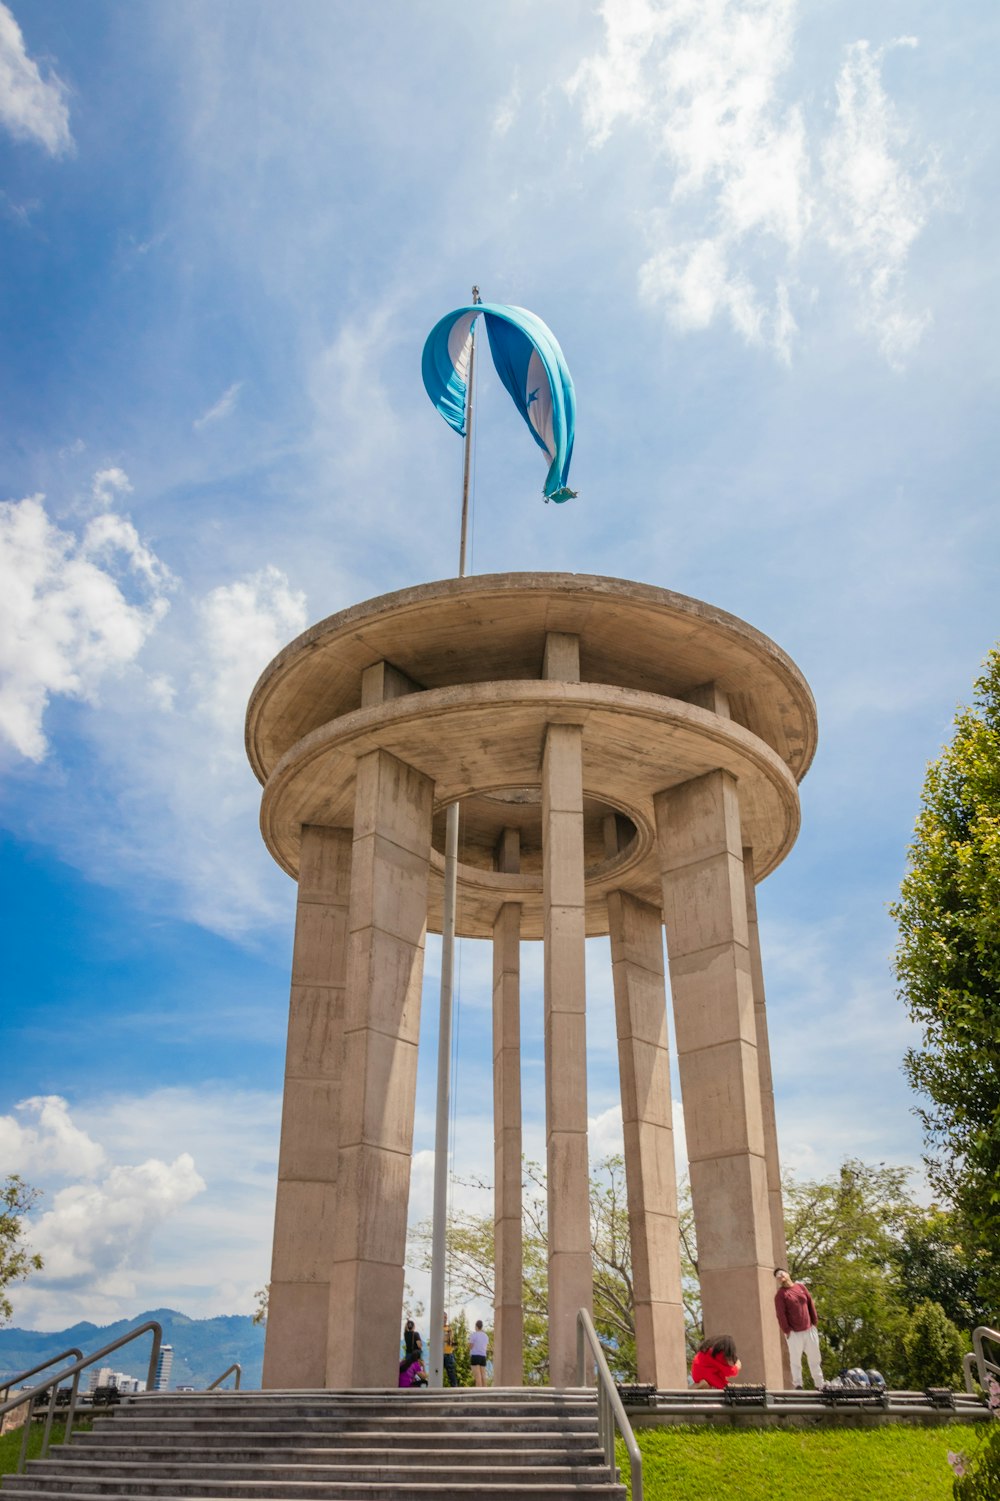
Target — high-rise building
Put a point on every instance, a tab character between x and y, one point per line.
166	1360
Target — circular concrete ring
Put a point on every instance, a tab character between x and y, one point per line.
477	737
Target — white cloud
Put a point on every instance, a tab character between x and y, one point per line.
32	108
66	618
45	1142
747	191
170	1204
875	208
224	407
108	485
243	625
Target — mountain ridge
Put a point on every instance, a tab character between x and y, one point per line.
203	1348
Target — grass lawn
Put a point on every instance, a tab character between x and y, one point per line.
829	1464
10	1443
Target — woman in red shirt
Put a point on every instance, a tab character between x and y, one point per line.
715	1362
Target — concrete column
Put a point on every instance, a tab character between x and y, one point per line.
636	931
508	1313
705	912
776	1207
387	924
570	1262
295	1340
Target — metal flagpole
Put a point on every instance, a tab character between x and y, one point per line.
440	1221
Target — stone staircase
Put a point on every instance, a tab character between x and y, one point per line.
378	1445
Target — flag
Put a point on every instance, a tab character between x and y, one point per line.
530	364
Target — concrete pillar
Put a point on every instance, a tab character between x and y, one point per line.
387	924
570	1262
636	932
295	1340
705	912
775	1205
508	1312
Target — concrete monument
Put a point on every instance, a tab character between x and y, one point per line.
626	761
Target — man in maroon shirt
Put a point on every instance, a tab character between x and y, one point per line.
797	1316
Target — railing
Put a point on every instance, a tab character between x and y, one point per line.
985	1368
228	1372
610	1412
74	1370
43	1365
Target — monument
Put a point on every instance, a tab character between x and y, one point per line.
626	762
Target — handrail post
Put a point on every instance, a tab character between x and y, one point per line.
48	1420
610	1412
28	1419
154	1357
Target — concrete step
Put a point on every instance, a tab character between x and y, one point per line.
378	1446
371	1438
56	1487
407	1423
377	1450
199	1472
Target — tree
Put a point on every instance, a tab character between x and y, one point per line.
16	1261
843	1237
948	966
471	1262
936	1262
933	1349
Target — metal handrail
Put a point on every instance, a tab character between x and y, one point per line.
43	1365
985	1367
228	1372
610	1412
74	1371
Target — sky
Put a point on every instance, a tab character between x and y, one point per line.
765	234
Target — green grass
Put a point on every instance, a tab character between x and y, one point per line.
10	1443
829	1464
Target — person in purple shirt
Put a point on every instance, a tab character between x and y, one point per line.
797	1317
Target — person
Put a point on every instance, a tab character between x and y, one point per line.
411	1372
478	1345
797	1317
448	1356
412	1343
715	1362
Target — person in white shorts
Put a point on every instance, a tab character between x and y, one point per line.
478	1345
797	1316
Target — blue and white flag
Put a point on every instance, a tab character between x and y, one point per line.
530	364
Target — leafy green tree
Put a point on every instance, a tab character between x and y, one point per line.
460	1340
471	1263
843	1235
948	966
934	1349
16	1260
935	1262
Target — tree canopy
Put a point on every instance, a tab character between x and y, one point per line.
16	1260
948	965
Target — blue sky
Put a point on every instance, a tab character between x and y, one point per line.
765	234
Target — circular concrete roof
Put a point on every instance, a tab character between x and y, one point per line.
476	722
492	628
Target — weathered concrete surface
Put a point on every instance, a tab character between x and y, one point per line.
295	1340
387	922
705	914
644	1066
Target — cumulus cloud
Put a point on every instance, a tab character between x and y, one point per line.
748	189
32	107
74	608
41	1140
224	407
243	625
102	1222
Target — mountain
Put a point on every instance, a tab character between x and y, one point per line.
203	1348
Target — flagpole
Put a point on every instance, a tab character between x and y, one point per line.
439	1231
